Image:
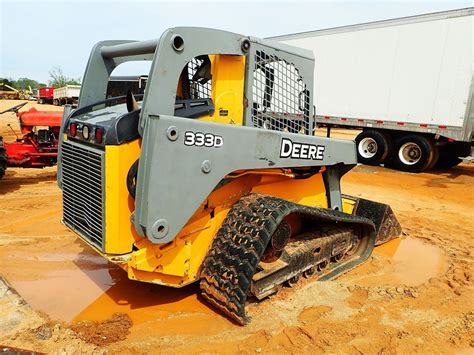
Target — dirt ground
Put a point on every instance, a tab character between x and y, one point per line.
415	294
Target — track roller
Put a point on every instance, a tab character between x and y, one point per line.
293	280
309	272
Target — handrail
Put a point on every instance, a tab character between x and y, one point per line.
129	49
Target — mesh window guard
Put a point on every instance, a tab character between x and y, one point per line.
199	84
280	99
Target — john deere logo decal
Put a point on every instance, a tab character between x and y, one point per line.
294	150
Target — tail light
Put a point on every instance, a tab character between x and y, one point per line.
99	134
72	129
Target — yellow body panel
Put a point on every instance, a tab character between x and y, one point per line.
177	263
227	89
119	205
309	192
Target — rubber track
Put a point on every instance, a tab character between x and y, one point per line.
3	160
240	242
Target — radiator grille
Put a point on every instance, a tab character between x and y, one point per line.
82	191
280	99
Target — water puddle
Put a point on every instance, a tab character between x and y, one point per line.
62	294
84	286
406	261
72	283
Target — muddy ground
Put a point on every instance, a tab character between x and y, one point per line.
415	294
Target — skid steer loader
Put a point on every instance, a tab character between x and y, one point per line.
214	175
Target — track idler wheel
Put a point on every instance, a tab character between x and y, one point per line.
279	239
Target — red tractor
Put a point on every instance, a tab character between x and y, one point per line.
38	146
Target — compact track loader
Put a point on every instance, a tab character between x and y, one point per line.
214	175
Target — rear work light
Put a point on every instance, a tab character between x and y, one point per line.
99	134
72	129
85	132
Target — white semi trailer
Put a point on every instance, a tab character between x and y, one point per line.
68	94
407	83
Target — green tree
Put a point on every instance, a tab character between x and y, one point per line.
6	81
59	79
25	84
76	81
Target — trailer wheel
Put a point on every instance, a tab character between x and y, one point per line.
56	102
373	147
450	153
414	153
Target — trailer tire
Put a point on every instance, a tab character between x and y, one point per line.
56	102
373	147
414	153
434	159
449	154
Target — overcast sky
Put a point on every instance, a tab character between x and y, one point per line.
35	36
